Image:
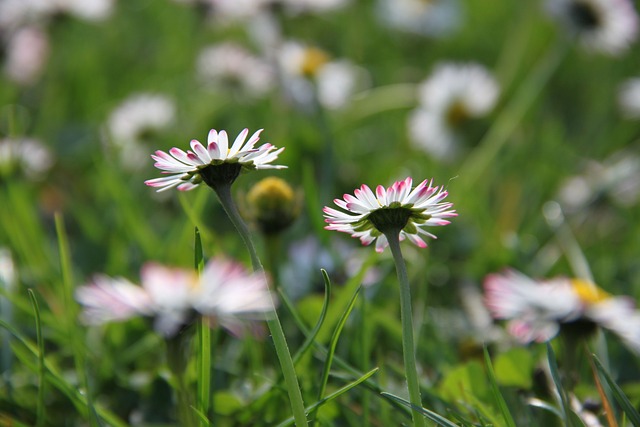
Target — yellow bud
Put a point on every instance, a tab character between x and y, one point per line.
272	204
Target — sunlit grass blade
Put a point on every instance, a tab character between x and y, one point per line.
334	342
618	394
203	361
57	380
498	398
567	413
436	418
537	403
311	336
40	406
332	396
606	404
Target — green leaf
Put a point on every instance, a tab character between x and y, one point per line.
514	368
619	395
227	403
497	396
468	378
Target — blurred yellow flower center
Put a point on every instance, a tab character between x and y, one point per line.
272	203
313	60
588	292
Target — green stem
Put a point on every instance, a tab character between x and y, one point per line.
273	322
406	317
176	360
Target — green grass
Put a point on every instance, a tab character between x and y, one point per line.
338	301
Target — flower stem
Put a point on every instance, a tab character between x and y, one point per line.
408	346
273	322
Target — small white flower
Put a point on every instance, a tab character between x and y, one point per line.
216	163
367	216
432	18
629	98
132	119
225	292
308	69
452	94
27	53
537	310
230	63
88	10
606	26
314	6
26	155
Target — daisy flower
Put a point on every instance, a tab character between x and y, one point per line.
400	208
607	26
431	18
629	98
173	297
135	118
538	310
27	52
25	155
216	164
453	94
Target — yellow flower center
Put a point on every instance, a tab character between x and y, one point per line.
313	60
588	292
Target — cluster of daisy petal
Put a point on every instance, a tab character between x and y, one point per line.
538	310
225	292
186	170
367	216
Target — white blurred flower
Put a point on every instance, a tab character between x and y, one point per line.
133	118
25	155
618	178
313	6
17	13
433	18
229	63
307	70
225	292
606	26
537	310
452	94
7	270
236	10
88	10
27	53
629	98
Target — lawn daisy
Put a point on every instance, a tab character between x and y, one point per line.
24	155
133	120
452	95
216	165
431	18
173	297
397	209
629	98
27	52
607	26
539	310
229	65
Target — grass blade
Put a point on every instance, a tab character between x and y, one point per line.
40	406
323	313
436	418
332	396
618	394
567	413
506	414
203	356
334	342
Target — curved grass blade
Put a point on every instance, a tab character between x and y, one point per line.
323	313
569	417
537	403
334	342
332	396
40	406
508	418
436	418
203	356
618	394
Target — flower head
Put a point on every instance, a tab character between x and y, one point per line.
431	18
225	292
538	310
214	165
450	96
273	205
398	208
607	26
